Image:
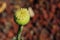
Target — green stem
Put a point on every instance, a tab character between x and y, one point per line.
19	33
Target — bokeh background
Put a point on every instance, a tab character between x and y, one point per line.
44	25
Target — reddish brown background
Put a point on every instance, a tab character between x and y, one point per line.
45	25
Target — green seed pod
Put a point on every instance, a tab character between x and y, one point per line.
22	16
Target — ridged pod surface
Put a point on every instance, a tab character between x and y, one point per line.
22	16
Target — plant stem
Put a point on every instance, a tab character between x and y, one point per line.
19	33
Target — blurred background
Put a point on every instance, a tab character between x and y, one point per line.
43	25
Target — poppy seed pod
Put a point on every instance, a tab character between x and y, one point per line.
22	16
